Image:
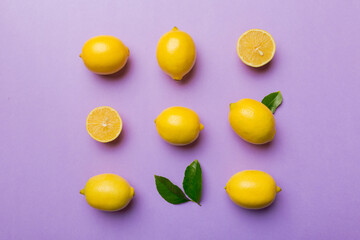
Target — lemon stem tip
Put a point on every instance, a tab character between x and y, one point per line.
176	78
278	189
82	191
201	127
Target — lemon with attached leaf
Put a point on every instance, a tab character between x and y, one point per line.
252	121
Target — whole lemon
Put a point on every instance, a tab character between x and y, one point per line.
176	53
104	54
178	125
252	189
252	121
108	192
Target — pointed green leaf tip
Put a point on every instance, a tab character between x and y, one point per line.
192	182
170	192
273	101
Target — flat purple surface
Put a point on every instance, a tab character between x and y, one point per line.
46	93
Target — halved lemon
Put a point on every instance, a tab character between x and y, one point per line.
104	124
256	47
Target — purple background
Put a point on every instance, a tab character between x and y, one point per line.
46	93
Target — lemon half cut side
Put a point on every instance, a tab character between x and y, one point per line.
256	47
104	124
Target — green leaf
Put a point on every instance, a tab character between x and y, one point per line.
192	182
170	192
273	101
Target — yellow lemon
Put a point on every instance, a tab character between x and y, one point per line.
252	121
176	53
104	54
104	124
256	47
178	125
108	192
252	189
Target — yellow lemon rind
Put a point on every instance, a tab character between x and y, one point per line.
249	205
108	72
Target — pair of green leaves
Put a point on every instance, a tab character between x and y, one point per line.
273	101
192	185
